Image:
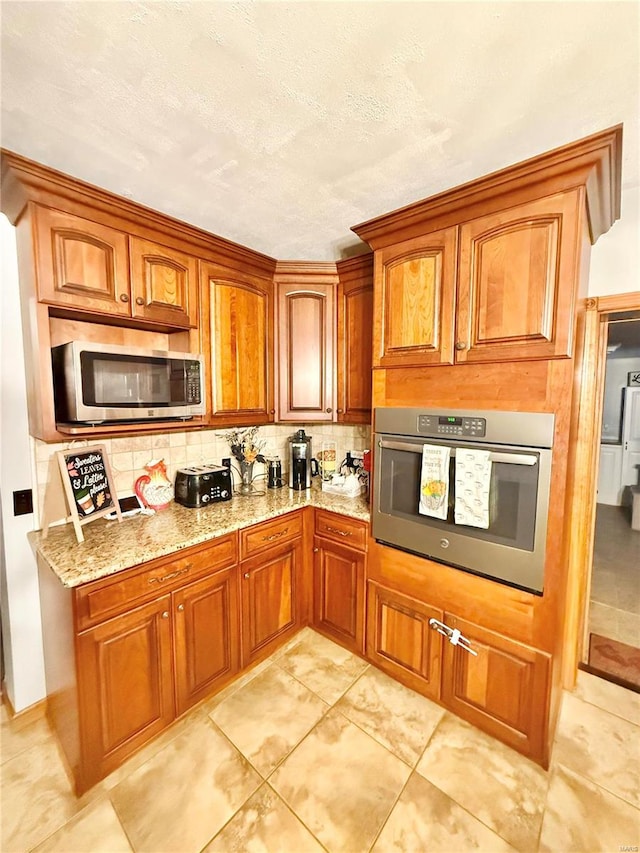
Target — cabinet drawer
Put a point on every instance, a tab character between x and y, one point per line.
103	599
259	537
339	528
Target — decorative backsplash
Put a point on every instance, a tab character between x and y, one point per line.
129	455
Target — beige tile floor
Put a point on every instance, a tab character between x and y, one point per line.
615	581
315	750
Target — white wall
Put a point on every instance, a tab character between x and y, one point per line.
20	604
615	258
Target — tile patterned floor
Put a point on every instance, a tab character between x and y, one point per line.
315	750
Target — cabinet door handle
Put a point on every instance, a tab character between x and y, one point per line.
275	535
460	345
165	614
124	297
139	300
339	532
181	607
172	575
246	575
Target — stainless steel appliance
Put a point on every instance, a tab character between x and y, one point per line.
511	548
95	383
300	461
199	485
274	473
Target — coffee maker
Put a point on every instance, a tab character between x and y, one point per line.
300	461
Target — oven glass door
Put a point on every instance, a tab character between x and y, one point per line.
510	549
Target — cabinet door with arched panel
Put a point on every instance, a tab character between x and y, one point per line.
164	284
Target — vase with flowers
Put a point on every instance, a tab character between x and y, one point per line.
246	447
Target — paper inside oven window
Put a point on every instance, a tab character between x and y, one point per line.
473	487
434	481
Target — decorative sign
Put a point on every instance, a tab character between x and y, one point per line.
85	483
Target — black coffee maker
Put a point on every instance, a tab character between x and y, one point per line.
300	461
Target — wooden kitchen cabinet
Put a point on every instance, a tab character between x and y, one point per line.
271	568
354	341
339	565
306	346
240	317
93	268
125	686
81	264
164	284
415	301
400	641
503	690
509	299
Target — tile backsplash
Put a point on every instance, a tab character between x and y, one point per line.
129	455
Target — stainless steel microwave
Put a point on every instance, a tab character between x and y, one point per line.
97	384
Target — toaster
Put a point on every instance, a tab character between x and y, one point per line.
199	485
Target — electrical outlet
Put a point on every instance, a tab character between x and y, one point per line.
23	502
227	462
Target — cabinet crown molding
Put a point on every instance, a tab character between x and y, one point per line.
594	163
306	272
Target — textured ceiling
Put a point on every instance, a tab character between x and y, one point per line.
280	125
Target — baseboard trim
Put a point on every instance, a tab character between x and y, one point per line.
28	715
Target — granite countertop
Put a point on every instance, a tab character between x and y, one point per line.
110	547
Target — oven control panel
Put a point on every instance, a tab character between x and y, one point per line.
452	425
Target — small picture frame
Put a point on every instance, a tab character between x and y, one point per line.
83	491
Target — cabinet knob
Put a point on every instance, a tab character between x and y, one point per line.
139	300
272	411
165	614
328	411
124	297
246	574
339	411
315	550
181	607
460	345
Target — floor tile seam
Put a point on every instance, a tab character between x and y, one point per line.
597	785
623	610
374	739
296	815
311	690
608	710
327	710
237	749
386	820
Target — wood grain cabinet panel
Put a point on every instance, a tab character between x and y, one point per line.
338	579
414	303
81	264
306	330
400	641
503	690
207	641
126	685
516	282
241	346
164	284
270	600
355	340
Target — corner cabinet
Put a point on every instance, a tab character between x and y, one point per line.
239	339
354	345
305	347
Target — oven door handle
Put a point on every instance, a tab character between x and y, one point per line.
508	458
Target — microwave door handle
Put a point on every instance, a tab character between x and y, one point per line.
508	458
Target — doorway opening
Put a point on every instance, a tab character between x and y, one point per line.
611	646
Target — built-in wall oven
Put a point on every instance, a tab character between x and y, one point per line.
465	488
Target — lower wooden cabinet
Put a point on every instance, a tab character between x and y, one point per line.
139	670
503	689
400	641
338	593
270	600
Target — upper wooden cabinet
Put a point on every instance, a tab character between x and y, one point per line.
414	301
240	342
354	345
81	264
305	347
518	239
164	284
84	265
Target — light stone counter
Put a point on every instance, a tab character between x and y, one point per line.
110	547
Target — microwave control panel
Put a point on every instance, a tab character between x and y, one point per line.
452	425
